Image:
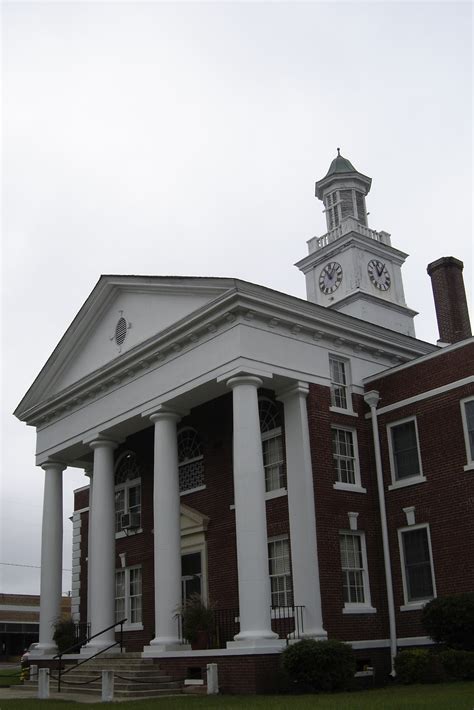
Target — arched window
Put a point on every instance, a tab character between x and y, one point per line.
190	460
272	444
128	506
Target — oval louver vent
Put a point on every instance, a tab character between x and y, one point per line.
120	330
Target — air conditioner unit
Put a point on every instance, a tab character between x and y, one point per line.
130	521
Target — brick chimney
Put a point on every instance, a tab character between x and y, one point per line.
450	299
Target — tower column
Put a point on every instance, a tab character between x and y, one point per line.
250	518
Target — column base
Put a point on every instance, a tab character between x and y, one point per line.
44	650
316	634
154	649
257	643
90	649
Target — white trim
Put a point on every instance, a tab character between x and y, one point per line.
416	641
404	482
192	490
18	607
417	360
248	651
339	410
418	603
469	454
81	510
349	487
362	609
277	493
401	482
123	533
385	643
423	395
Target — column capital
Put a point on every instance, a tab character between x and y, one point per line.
244	379
165	415
54	465
103	443
372	398
297	389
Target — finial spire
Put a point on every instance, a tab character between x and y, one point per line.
338	151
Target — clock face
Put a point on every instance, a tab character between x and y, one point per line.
379	275
330	277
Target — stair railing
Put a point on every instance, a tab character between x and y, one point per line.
59	656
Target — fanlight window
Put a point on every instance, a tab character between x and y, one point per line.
190	460
272	445
128	507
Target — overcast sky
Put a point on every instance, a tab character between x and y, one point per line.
185	138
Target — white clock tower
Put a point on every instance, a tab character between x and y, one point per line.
351	268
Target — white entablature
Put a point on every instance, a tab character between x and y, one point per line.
245	327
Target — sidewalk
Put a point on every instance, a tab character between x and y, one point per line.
25	693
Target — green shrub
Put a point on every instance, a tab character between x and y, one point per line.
450	620
418	665
319	665
458	665
64	634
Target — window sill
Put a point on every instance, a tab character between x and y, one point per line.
415	606
340	410
352	487
122	533
404	482
277	493
469	466
363	674
192	490
359	609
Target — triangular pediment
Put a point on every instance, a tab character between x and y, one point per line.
121	314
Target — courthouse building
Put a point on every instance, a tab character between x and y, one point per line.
306	466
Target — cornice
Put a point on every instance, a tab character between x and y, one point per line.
246	304
346	241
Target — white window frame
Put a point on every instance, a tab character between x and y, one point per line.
288	574
418	603
138	625
266	436
187	462
469	453
341	485
126	486
364	607
411	480
348	385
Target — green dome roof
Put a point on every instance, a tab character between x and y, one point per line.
340	165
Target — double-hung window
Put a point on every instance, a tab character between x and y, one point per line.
355	576
417	565
128	507
272	445
467	412
340	389
346	458
128	596
280	572
404	449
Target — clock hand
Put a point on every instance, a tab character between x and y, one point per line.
380	271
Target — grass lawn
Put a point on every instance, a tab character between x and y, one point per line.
6	676
449	696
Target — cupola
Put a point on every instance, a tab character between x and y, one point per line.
343	190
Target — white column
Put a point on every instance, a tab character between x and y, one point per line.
250	518
51	556
167	534
301	508
90	475
102	547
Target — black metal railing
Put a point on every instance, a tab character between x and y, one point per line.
82	642
82	631
287	622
